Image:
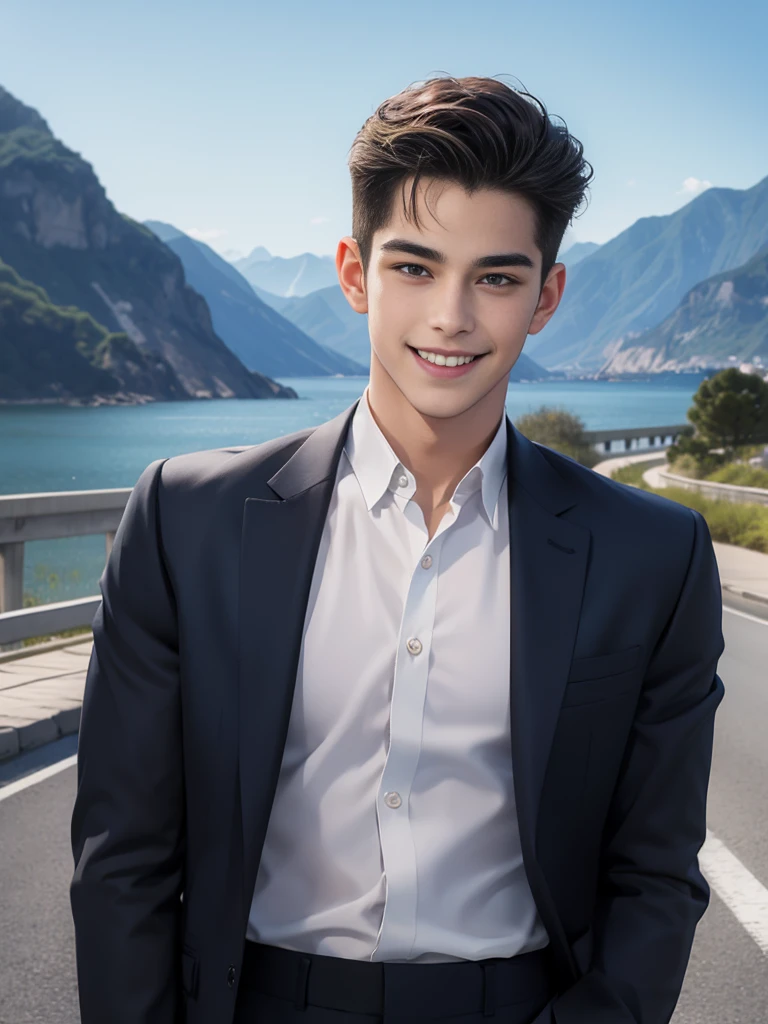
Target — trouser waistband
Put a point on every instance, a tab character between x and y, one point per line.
379	987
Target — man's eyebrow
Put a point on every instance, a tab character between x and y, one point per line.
424	252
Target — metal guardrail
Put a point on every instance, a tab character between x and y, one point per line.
59	514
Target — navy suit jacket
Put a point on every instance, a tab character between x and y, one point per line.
615	636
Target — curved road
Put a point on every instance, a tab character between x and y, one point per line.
727	979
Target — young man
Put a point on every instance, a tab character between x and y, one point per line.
404	717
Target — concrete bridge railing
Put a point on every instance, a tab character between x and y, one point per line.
50	516
656	437
717	491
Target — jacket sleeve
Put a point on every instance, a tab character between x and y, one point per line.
127	826
651	892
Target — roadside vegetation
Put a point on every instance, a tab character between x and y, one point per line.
729	426
729	522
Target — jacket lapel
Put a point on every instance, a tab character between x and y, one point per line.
279	544
548	567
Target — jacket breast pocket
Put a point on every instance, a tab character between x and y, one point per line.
601	676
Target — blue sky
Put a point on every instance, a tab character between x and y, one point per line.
233	120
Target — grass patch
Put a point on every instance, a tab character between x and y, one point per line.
729	522
741	475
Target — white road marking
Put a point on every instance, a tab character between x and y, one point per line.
737	887
34	777
745	615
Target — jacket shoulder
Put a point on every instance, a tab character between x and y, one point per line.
220	471
618	498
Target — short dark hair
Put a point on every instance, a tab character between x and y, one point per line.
478	133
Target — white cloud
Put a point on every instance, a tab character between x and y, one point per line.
205	234
693	186
319	220
632	181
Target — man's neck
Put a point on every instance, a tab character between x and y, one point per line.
438	452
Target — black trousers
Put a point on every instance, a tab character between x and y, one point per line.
282	986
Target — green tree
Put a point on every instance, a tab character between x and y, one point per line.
691	455
730	410
561	430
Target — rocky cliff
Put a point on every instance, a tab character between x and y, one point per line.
720	320
59	230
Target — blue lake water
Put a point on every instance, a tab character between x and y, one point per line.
58	448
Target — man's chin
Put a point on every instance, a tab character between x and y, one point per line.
432	403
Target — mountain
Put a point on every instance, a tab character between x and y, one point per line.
291	276
527	369
726	315
632	282
576	253
232	254
55	353
261	338
59	231
256	255
327	317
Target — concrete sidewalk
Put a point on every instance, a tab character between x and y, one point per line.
41	687
41	693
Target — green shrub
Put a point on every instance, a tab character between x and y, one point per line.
561	430
741	474
686	465
729	522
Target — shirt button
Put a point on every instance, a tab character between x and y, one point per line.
402	481
426	561
414	645
392	799
231	976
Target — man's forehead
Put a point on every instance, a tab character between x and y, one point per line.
511	207
510	242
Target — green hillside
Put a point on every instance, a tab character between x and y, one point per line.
49	351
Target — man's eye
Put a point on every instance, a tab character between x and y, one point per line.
505	279
404	266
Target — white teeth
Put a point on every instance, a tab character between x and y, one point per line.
443	361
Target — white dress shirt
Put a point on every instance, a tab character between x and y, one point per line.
393	835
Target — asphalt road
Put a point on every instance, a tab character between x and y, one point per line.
727	978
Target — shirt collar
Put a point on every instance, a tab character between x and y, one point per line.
379	470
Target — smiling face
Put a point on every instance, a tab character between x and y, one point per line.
477	291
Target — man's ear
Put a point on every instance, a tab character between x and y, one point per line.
549	298
349	267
